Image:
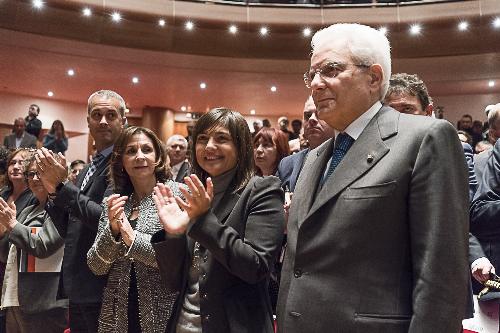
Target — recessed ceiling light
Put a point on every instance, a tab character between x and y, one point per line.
307	32
273	88
233	29
189	25
116	17
491	83
71	72
50	94
383	30
183	108
135	80
203	85
462	26
38	4
496	22
415	29
87	11
161	22
264	31
252	111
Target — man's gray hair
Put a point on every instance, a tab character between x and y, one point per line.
177	137
366	46
108	94
493	114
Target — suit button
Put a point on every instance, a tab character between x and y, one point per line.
297	273
206	317
204	295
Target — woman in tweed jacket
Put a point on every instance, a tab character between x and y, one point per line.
133	299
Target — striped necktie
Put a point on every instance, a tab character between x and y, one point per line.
342	144
92	169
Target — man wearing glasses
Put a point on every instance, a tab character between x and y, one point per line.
378	242
76	208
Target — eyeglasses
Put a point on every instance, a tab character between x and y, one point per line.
327	71
31	174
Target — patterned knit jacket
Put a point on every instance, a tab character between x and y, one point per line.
107	256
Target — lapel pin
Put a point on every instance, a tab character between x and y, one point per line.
369	158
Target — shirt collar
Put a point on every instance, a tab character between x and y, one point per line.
106	151
357	126
177	167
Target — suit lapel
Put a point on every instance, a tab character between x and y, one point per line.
226	205
297	167
182	173
101	167
365	153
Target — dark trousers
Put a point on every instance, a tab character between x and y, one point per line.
84	318
50	321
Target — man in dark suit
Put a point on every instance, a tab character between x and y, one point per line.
316	131
378	238
33	124
76	209
493	135
19	138
176	150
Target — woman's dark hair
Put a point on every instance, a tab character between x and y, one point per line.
28	153
279	140
242	139
119	178
53	127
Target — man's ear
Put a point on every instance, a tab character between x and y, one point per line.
376	75
428	110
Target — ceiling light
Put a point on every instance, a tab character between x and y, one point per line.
183	108
415	29
203	85
491	83
496	22
189	25
462	26
71	72
383	30
161	22
38	4
50	94
307	32
116	17
252	111
135	80
233	29
273	88
87	11
264	31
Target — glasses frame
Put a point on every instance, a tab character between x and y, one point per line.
334	68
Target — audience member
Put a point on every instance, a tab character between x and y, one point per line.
266	123
29	295
270	146
257	125
177	150
483	146
33	124
493	136
19	138
217	251
316	131
76	209
4	155
74	170
403	173
56	139
464	137
123	247
465	123
408	94
476	132
283	126
296	128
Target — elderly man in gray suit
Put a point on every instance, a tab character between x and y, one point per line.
19	137
377	233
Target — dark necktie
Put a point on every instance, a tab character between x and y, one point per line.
92	169
342	144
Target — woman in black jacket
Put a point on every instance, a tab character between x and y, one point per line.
217	252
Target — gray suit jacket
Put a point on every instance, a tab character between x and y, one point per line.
28	141
36	291
382	246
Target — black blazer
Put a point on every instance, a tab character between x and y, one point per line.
289	169
239	243
76	214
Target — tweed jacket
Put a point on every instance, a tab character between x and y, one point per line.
108	256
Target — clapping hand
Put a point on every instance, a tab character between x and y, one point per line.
173	219
51	168
126	230
7	214
116	204
198	200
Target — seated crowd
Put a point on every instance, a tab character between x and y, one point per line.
196	235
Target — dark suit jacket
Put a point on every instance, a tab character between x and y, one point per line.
28	141
76	214
382	246
239	242
36	291
289	169
485	210
184	171
480	161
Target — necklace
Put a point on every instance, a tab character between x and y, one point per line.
135	203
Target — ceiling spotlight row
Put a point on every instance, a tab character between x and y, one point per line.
416	29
